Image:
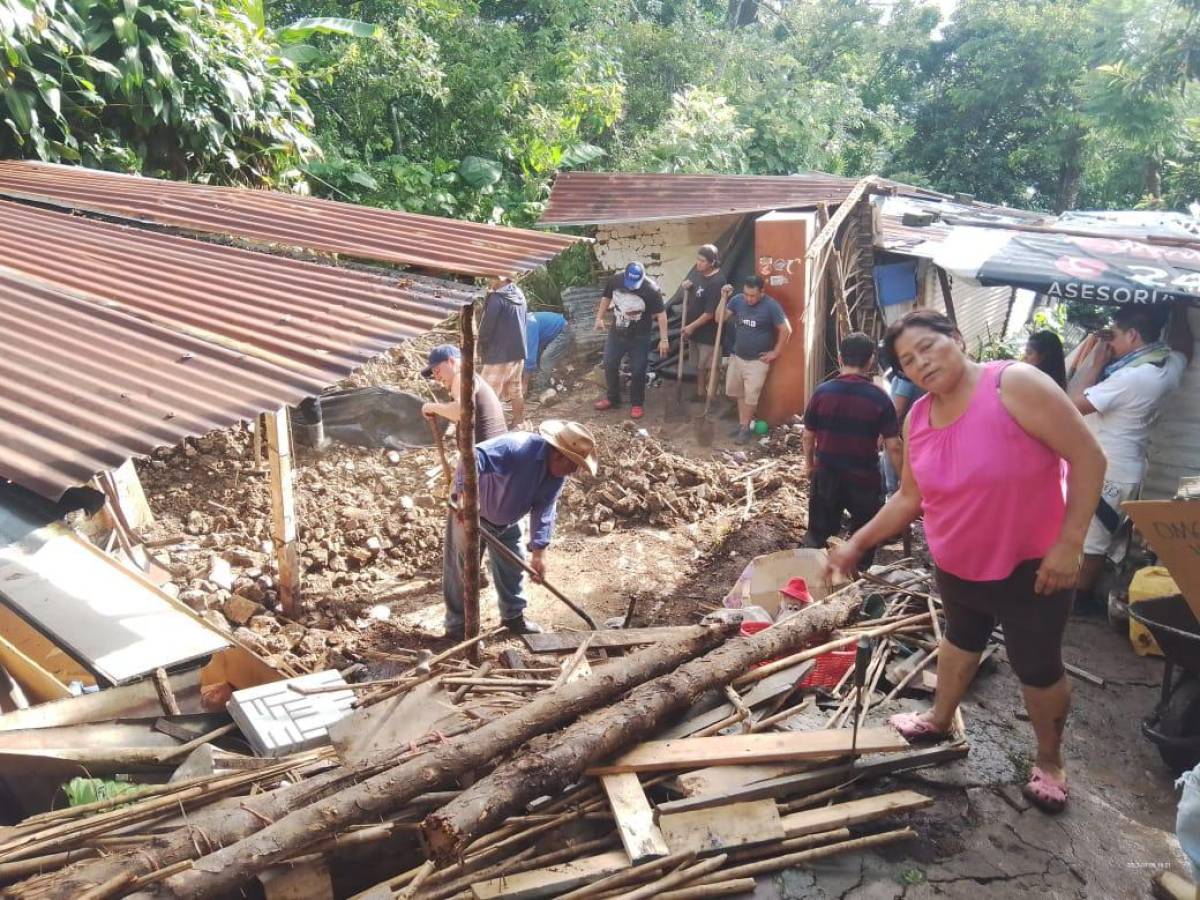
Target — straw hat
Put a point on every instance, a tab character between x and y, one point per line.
572	440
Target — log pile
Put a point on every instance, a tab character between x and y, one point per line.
682	769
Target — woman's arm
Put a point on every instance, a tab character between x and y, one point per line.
1040	407
903	508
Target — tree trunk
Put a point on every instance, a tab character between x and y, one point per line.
1152	176
220	872
600	735
1070	173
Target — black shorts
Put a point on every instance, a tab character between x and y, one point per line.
1033	623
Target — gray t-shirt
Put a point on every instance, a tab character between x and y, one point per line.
757	325
489	414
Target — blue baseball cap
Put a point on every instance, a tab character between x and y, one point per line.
439	355
635	274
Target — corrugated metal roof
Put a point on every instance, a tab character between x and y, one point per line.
270	217
119	340
598	198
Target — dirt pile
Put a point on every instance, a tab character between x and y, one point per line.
642	481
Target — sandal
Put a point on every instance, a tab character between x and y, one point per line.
1046	792
915	729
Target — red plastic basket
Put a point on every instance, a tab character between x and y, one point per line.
829	669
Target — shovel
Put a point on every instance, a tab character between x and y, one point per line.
677	411
704	426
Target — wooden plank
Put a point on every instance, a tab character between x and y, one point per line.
635	818
762	692
127	701
739	749
815	780
854	812
569	641
732	825
552	880
717	779
283	510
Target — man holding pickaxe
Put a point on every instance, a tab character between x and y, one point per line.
520	474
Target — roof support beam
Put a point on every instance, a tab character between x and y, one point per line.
283	510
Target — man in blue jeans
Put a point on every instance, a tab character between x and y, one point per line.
520	474
548	336
634	300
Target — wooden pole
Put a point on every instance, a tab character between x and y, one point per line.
469	503
947	294
283	510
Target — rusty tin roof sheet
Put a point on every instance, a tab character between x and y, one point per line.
119	340
598	198
273	218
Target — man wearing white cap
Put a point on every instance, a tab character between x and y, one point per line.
520	474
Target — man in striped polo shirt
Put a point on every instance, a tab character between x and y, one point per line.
843	425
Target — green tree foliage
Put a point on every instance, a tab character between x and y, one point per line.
186	89
470	107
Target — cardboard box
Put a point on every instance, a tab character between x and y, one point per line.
1172	529
759	583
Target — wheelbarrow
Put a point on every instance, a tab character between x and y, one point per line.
1174	726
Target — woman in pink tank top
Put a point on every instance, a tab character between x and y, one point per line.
983	464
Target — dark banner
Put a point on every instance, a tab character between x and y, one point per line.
1094	269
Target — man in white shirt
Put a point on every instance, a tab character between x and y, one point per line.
1124	381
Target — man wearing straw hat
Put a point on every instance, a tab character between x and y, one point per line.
520	474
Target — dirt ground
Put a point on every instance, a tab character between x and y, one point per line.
371	531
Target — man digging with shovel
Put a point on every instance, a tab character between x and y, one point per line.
520	474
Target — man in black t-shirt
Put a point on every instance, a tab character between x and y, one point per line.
633	299
705	281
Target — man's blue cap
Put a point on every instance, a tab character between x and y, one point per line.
635	274
439	355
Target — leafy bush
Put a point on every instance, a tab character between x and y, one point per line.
181	88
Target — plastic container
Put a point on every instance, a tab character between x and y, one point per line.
1149	583
829	670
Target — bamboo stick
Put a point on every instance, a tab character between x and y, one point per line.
677	878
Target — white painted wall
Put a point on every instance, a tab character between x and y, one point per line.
667	249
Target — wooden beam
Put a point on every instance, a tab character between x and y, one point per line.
718	828
827	234
854	812
569	641
947	294
720	779
469	502
819	779
635	818
283	510
739	749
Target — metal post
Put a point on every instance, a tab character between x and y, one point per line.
283	510
469	502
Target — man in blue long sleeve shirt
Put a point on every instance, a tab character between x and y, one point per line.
520	474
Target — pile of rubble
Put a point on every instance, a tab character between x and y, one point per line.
641	481
367	518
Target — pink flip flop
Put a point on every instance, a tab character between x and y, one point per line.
914	729
1046	792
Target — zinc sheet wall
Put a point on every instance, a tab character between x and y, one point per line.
1175	440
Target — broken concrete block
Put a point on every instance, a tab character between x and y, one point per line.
277	720
240	610
221	574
